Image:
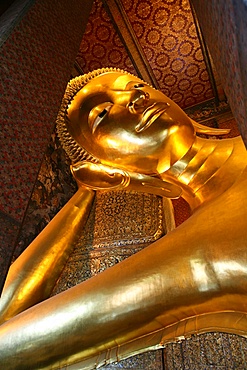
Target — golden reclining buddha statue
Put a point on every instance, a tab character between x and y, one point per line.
120	133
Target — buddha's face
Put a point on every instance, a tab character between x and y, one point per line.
126	123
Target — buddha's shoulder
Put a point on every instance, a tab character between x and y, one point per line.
227	211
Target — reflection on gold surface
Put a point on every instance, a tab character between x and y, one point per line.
121	133
202	276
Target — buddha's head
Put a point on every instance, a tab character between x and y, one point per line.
114	118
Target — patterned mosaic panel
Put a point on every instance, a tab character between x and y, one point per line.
120	224
214	351
167	34
101	46
8	235
53	188
35	65
151	360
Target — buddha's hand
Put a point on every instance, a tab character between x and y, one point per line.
97	176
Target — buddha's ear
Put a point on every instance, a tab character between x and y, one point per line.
102	177
98	176
201	129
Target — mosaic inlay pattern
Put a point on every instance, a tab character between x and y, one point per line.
53	188
35	63
8	235
101	46
151	360
167	34
214	351
120	224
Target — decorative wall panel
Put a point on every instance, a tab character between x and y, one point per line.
167	34
164	32
101	46
35	64
53	188
152	360
34	72
8	234
211	351
120	224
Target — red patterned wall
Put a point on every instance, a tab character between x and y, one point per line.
35	65
166	32
101	45
167	35
36	61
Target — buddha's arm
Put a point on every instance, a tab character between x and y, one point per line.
33	275
194	279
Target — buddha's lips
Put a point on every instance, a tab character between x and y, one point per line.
151	114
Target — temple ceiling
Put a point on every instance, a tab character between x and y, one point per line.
159	41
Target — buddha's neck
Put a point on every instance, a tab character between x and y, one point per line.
208	169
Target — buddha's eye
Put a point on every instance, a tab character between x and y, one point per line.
134	85
102	114
97	115
138	86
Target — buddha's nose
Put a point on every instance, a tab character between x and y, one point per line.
138	100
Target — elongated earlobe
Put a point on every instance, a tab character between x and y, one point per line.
97	176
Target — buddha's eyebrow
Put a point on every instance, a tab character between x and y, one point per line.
92	99
123	81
